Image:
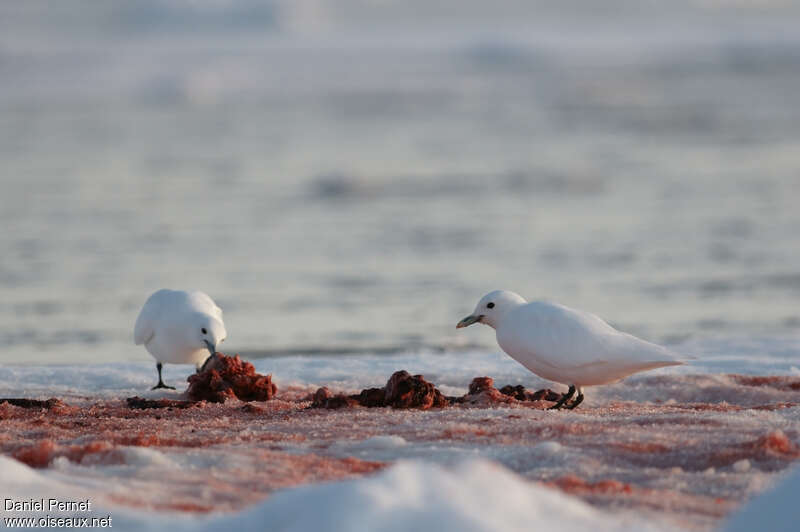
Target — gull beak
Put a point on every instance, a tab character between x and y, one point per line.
469	320
211	348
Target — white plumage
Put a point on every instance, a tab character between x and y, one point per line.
565	345
179	327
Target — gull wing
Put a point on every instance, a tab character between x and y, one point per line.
145	326
562	337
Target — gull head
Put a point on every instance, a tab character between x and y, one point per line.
206	332
491	308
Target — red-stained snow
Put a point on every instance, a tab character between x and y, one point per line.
686	450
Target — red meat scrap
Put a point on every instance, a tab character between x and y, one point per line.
412	391
402	390
323	398
33	403
143	404
226	377
519	393
371	397
482	391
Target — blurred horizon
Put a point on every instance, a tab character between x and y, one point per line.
355	175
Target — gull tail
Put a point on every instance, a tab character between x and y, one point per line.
651	356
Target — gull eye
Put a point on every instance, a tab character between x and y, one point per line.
203	330
490	305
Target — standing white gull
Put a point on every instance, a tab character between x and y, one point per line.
565	345
179	327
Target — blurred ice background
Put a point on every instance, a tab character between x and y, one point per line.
354	175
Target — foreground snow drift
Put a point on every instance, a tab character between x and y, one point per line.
474	495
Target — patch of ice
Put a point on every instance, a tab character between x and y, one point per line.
755	355
145	457
381	442
776	509
742	466
548	448
450	371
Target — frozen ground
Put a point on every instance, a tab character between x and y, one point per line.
451	371
409	496
680	448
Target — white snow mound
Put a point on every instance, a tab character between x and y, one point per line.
476	495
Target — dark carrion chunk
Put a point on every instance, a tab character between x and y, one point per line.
143	404
412	391
32	403
519	393
225	377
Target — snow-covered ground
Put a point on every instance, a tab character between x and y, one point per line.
673	448
474	495
451	371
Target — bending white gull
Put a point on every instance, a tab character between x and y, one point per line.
565	345
179	327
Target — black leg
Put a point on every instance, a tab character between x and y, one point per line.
161	382
578	400
564	398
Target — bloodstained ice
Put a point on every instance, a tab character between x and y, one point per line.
684	449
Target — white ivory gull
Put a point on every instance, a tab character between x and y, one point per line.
565	345
179	327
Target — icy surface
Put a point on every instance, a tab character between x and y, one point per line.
473	495
451	371
776	509
682	449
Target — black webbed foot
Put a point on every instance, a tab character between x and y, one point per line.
564	398
578	400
